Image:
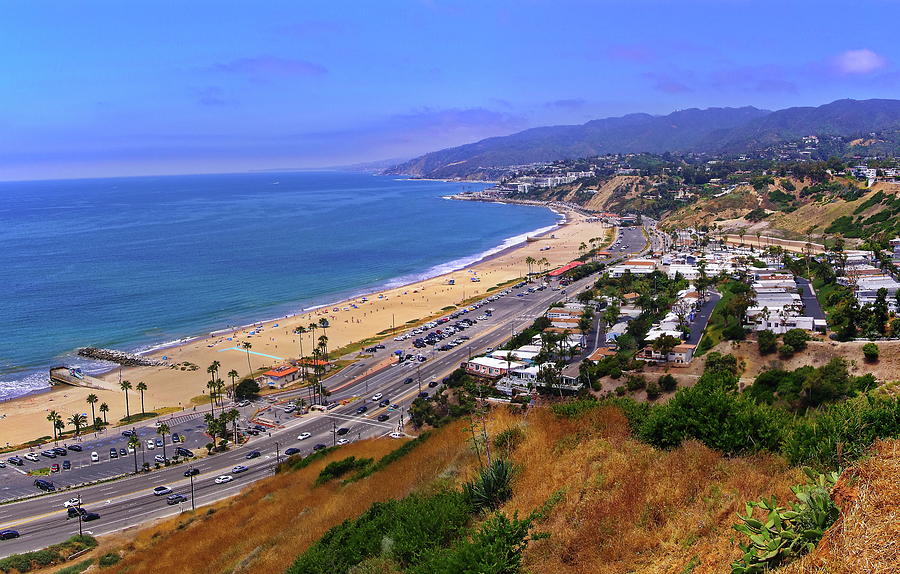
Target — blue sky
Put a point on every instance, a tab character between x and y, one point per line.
94	88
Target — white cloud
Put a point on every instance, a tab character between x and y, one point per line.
862	61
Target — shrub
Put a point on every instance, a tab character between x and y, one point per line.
870	352
653	390
246	389
635	382
786	351
109	559
786	534
509	439
768	342
339	468
493	486
734	332
668	383
796	338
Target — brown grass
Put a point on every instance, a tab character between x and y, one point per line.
866	538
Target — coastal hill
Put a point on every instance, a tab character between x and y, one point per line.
712	130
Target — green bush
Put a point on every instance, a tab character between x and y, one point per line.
668	383
870	352
767	341
785	351
109	559
390	457
493	486
653	390
786	534
339	468
635	382
76	568
47	557
796	338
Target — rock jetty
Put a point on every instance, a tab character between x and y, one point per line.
120	357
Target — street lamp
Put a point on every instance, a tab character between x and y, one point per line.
277	454
78	506
333	434
191	472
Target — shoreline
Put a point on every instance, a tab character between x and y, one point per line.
153	349
181	383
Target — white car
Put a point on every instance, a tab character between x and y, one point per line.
224	478
32	456
161	490
376	397
151	444
304	436
342	442
397	435
95	457
160	459
72	502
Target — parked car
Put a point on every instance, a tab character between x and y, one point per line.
123	452
48	453
176	438
95	457
44	485
67	465
60	451
15	460
129	433
54	467
160	459
113	453
175	499
159	442
151	444
181	451
161	490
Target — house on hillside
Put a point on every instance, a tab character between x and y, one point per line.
281	376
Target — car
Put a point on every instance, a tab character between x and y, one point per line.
160	459
304	436
252	454
244	403
423	395
239	469
129	433
175	499
95	457
113	453
362	409
181	451
408	380
159	442
394	407
54	467
397	435
15	460
342	431
376	397
383	417
60	451
433	384
123	452
384	403
48	453
260	428
74	511
67	465
252	432
223	479
88	516
151	444
176	438
161	490
289	410
343	441
74	501
379	346
192	472
44	485
8	534
319	446
291	451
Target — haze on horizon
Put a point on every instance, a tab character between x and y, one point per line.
102	88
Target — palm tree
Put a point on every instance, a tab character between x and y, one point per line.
299	331
133	443
53	417
92	399
220	391
529	261
234	375
126	386
215	365
323	322
232	416
162	430
323	344
78	420
142	387
104	408
211	385
246	345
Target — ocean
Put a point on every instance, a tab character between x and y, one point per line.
138	263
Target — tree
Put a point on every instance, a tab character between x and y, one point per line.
880	311
162	430
246	345
126	386
232	416
870	352
53	417
653	390
611	314
796	338
664	345
529	261
92	400
768	342
246	389
134	443
78	420
104	408
142	387
668	383
233	374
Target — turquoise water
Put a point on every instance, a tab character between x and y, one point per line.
133	263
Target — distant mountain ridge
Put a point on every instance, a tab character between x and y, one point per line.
711	130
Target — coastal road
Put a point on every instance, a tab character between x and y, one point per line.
129	502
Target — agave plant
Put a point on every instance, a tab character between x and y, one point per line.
493	486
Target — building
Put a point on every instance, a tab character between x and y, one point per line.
633	266
517	356
489	367
680	355
281	376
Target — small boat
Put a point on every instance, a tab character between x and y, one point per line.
76	372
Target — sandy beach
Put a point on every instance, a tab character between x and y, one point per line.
350	321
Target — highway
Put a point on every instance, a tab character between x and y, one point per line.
128	501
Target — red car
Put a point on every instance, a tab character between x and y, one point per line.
54	467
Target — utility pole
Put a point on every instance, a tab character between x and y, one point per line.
277	454
193	505
78	506
333	434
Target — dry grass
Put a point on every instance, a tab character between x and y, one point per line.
270	523
866	538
